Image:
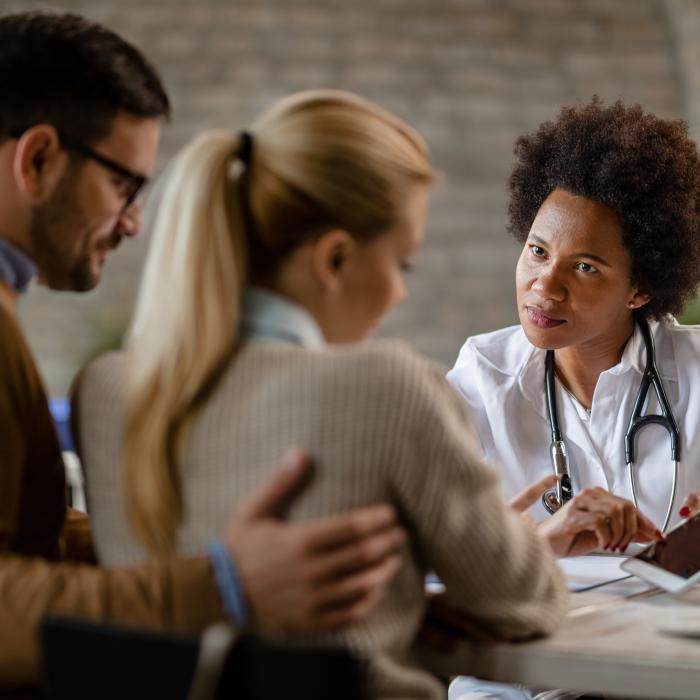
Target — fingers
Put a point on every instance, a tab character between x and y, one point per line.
596	518
351	588
646	530
530	495
270	498
633	521
691	505
351	599
356	555
621	522
346	528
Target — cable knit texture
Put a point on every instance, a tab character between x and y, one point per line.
382	425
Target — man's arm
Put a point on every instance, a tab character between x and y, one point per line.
298	577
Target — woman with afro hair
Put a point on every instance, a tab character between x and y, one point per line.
605	201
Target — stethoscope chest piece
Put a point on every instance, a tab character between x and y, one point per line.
550	502
559	496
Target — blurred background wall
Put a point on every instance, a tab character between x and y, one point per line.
471	75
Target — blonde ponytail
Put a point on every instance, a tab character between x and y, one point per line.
184	327
321	159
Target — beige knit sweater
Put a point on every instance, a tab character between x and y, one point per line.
382	426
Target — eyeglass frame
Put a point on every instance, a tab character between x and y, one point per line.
138	181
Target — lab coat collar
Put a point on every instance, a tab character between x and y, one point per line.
530	369
270	316
634	355
508	351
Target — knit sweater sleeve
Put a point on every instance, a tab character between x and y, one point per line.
494	566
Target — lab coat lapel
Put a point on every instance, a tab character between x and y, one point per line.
532	383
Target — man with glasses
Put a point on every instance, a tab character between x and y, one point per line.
80	119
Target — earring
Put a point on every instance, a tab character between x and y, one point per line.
630	305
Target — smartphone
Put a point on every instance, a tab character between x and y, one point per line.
674	563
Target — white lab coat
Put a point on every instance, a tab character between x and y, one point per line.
501	377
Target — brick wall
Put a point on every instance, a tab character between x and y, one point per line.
469	74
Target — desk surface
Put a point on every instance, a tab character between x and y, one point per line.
609	643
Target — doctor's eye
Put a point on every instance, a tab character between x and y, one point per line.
586	267
537	251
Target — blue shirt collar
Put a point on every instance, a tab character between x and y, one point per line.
16	269
270	316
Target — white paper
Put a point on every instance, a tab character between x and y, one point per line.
592	570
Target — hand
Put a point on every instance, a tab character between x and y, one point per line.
691	505
76	538
595	518
444	625
311	576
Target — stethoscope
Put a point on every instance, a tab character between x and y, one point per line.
563	492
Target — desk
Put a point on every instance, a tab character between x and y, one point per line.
609	643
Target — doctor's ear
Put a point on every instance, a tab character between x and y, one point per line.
638	300
39	162
330	254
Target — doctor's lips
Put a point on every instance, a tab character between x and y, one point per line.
540	319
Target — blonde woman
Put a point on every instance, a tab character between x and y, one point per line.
275	253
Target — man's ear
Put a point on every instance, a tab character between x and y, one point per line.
329	257
39	162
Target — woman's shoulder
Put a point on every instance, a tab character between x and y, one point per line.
384	362
101	378
689	334
685	346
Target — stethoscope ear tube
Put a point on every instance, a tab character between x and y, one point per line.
665	419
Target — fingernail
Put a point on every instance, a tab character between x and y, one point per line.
684	512
659	535
623	549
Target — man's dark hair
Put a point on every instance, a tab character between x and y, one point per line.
645	168
64	70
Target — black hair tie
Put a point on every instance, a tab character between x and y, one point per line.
245	150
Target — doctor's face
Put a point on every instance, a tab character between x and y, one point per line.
573	276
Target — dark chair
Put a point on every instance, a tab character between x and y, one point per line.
84	660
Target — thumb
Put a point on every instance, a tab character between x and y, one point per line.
269	499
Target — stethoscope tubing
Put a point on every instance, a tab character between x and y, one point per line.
556	498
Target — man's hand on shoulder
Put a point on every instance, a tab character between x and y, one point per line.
316	575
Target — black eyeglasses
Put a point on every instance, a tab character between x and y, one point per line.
133	182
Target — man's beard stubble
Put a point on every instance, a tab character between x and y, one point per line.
54	229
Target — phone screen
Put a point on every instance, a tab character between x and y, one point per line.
679	553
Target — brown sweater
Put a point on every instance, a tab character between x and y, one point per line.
383	426
32	477
32	510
